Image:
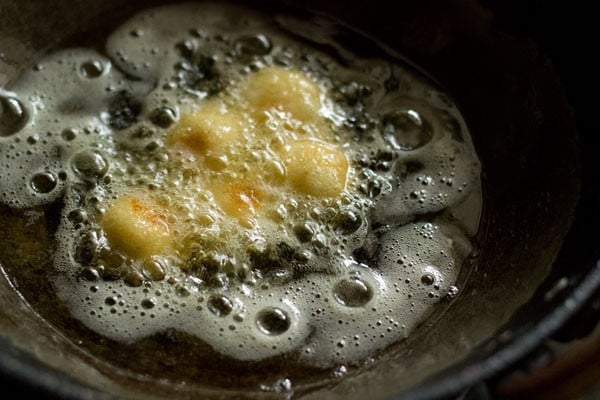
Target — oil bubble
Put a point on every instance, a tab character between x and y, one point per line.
154	269
149	303
88	247
427	279
163	117
352	292
347	222
77	216
452	292
304	231
133	278
90	274
220	305
406	129
272	321
13	116
43	182
91	69
256	45
89	164
110	301
69	134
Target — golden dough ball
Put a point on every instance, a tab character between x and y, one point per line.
211	129
137	226
277	88
239	199
316	168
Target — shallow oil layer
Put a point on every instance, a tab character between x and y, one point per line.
83	129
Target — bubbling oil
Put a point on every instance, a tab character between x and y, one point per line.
334	281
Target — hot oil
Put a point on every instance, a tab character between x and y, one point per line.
337	282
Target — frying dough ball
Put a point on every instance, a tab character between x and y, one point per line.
279	89
138	226
238	199
316	168
211	129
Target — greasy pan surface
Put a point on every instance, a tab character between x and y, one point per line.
519	114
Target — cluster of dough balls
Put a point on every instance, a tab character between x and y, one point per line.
262	139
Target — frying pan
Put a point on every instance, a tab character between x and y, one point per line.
534	275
